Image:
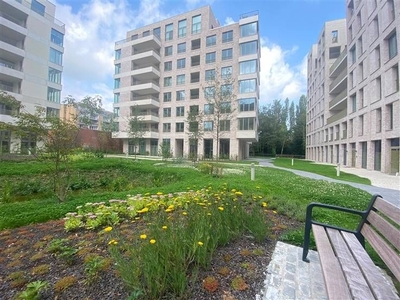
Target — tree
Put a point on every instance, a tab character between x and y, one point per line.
136	128
88	109
195	132
219	109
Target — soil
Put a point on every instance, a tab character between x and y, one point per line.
24	258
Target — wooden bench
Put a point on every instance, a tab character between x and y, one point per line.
348	271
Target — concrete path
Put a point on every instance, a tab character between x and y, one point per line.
391	194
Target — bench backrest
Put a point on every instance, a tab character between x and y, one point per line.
382	231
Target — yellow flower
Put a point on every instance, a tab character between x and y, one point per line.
112	242
164	227
274	211
184	213
208	214
200	243
143	236
239	194
159	193
108	229
152	241
168	210
220	208
143	210
257	187
264	204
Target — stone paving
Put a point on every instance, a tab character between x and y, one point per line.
288	277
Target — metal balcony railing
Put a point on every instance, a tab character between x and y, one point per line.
135	37
249	14
138	98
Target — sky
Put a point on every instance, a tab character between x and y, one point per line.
288	28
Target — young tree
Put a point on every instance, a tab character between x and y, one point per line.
88	109
195	132
219	108
136	128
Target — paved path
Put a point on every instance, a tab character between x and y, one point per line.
392	195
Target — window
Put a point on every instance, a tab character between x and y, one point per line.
55	75
37	7
182	48
360	45
180	111
224	125
195	60
248	67
227	54
248	29
211	40
226	72
167	81
167	97
53	95
169	32
209	92
226	90
210	57
194	94
225	108
210	74
167	143
157	31
375	28
118	54
334	52
193	126
247	86
182	28
117	69
208	109
52	112
57	37
196	44
116	97
180	95
180	79
378	86
168	51
208	126
247	104
246	123
194	77
378	120
334	36
361	125
392	13
196	24
249	48
361	98
395	76
389	109
392	42
168	66
179	127
55	56
353	54
146	33
353	99
166	127
181	63
194	109
361	72
167	112
377	56
227	36
117	83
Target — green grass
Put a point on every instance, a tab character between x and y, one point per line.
324	170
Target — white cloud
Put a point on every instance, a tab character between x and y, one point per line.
229	21
278	79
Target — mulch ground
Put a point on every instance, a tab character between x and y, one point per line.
24	258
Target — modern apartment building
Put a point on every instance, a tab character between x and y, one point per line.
93	121
365	132
31	51
163	70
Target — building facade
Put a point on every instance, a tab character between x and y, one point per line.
92	120
163	70
31	52
365	131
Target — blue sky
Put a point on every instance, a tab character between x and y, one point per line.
288	28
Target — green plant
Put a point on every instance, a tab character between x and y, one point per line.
6	192
93	265
62	249
239	284
33	290
210	283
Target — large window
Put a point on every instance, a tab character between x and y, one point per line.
180	95
353	54
196	24
209	92
167	97
168	51
194	109
167	112
55	75
247	86
246	123
118	54
57	37
166	127
182	28
249	48
224	125
210	74
180	111
225	108
117	69
157	31
168	66
181	63
117	97
52	112
226	72
55	56
248	67
208	109
248	29
392	42
227	36
53	95
247	104
208	126
211	40
180	79
210	57
182	48
169	32
38	7
180	127
226	90
117	83
167	81
227	54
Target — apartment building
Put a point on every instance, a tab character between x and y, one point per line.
86	119
31	52
163	70
361	128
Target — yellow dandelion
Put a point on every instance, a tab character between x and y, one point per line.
184	213
208	214
159	193
264	204
220	208
168	210
200	243
143	210
143	236
112	242
164	227
152	241
274	211
108	229
238	193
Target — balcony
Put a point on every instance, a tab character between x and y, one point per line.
151	134
140	42
146	58
12	23
10	72
149	117
146	73
247	135
339	64
338	100
145	102
145	87
340	115
339	83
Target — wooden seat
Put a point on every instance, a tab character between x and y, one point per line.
348	271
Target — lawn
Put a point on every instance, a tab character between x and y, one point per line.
321	169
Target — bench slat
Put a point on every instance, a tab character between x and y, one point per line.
359	288
391	233
377	282
335	282
388	209
388	255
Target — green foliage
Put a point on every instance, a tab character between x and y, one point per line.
165	151
93	265
61	248
33	290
